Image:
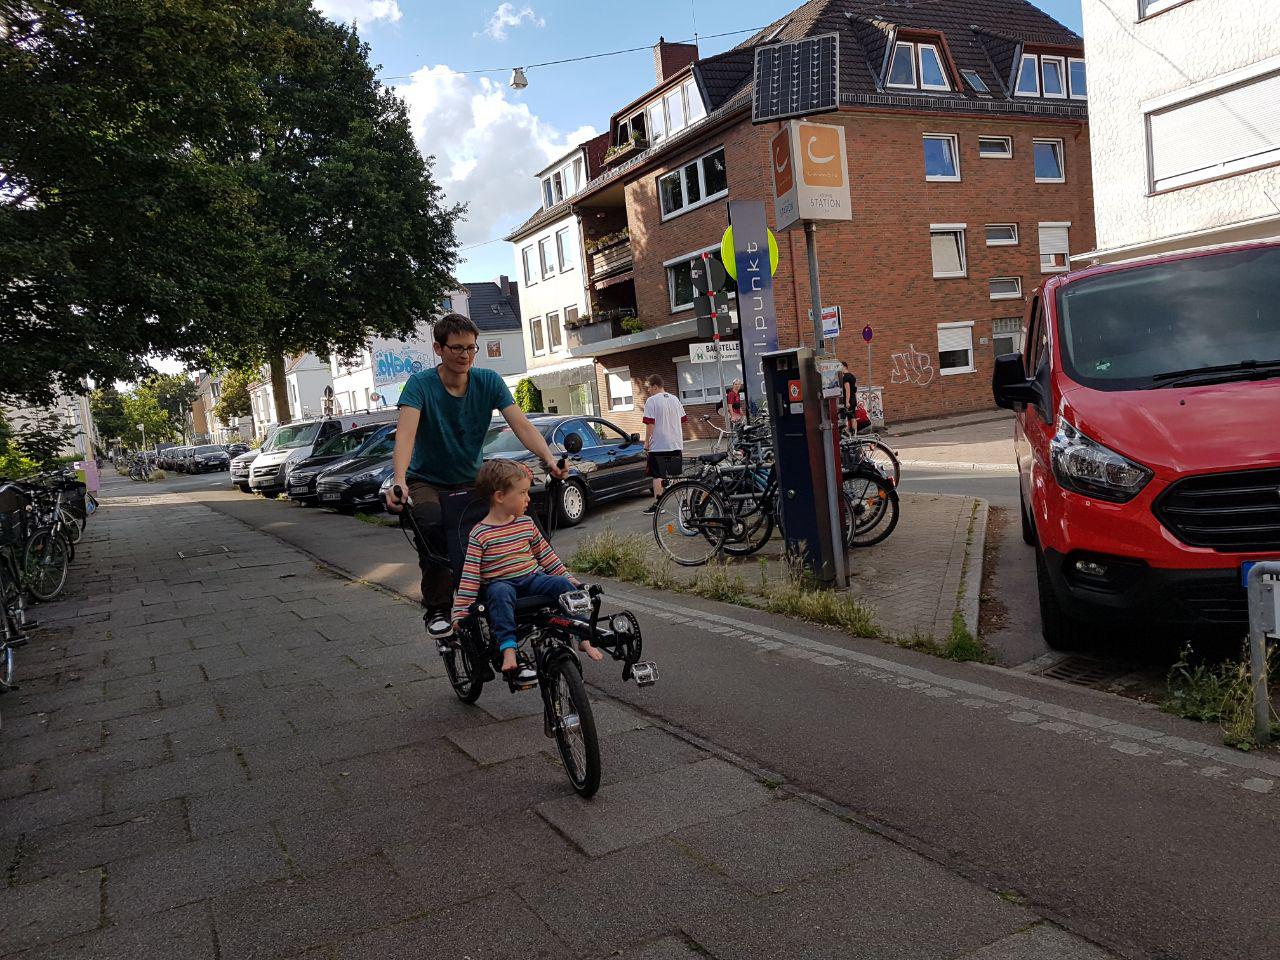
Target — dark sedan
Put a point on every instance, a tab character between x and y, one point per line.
302	478
610	465
208	457
352	484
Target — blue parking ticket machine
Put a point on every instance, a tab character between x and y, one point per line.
793	388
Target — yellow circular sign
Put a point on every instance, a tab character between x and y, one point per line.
731	262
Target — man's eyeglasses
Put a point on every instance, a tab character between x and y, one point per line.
459	350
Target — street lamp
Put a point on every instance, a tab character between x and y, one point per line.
518	80
143	428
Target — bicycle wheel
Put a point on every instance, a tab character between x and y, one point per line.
873	504
689	523
72	525
465	676
575	727
882	455
44	564
756	529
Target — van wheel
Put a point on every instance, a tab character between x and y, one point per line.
244	487
1060	631
1028	528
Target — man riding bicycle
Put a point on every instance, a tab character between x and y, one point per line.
444	417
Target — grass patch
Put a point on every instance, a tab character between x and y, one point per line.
714	582
1219	693
610	554
793	599
963	646
376	519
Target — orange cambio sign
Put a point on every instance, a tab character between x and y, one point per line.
821	156
783	173
810	173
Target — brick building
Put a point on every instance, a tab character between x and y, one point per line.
967	137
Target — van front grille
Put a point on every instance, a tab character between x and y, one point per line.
1236	512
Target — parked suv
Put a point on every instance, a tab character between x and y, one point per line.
1149	471
293	442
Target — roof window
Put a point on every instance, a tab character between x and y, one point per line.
917	66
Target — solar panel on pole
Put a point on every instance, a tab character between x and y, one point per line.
796	79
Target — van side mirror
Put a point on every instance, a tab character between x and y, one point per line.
1009	384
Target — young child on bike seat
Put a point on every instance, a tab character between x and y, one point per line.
508	554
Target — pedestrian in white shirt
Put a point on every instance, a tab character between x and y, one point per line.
664	419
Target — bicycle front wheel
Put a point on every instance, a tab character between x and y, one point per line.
44	562
882	455
689	523
72	525
575	727
872	503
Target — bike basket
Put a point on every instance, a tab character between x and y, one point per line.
13	515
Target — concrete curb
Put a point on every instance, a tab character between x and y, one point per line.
933	426
971	590
959	466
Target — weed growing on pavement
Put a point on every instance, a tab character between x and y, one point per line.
961	645
610	554
662	576
376	520
714	582
1219	693
830	607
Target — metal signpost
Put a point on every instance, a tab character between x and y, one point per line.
1263	582
708	282
866	336
810	182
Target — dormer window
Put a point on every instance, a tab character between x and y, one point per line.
917	66
1044	75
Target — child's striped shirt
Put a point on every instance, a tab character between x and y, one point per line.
505	551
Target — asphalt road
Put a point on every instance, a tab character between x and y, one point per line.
1130	827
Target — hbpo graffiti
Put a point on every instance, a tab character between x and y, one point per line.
912	366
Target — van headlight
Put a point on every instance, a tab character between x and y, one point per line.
1084	466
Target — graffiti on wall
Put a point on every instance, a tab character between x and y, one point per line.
912	366
392	365
872	400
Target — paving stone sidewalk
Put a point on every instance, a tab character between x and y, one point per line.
241	755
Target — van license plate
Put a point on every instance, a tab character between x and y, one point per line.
1246	567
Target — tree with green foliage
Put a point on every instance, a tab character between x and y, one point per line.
528	397
141	407
107	407
174	393
350	222
33	441
234	401
126	222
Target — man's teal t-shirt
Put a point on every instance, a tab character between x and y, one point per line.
451	433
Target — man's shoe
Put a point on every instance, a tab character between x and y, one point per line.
651	509
440	630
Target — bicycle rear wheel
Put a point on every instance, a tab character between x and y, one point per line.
465	676
689	523
575	727
873	503
44	563
882	455
72	524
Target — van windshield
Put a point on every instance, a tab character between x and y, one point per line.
1134	328
293	435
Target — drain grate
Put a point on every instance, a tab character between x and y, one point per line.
1085	671
202	552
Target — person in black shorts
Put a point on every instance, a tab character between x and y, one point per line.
849	396
664	420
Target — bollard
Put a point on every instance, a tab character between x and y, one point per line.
1263	584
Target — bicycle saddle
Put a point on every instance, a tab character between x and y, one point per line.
712	458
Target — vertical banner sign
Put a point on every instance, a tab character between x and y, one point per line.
757	321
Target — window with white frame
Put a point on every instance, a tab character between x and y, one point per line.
657	122
680	289
554	331
1054	246
526	258
564	251
1147	8
1047	159
547	257
1006	335
1028	82
947	244
621	396
698	182
446	304
700	382
1005	288
1002	234
976	83
570	316
917	66
537	339
1053	80
1077	79
955	348
995	148
1225	131
941	157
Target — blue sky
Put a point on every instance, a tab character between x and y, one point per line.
490	140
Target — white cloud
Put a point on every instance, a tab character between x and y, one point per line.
506	16
487	148
361	11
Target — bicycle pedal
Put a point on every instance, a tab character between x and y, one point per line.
644	673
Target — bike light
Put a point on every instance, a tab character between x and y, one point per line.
1084	466
620	624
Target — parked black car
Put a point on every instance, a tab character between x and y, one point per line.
302	479
235	449
353	483
210	456
610	465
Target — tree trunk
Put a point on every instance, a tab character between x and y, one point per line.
280	389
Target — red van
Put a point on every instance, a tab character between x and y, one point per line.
1148	437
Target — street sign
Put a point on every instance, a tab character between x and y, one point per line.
729	350
810	173
708	274
866	333
796	78
731	261
748	241
830	322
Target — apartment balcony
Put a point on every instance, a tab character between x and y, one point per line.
611	260
650	336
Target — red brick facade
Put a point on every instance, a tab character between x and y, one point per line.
877	267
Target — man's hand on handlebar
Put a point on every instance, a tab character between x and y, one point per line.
557	469
397	497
